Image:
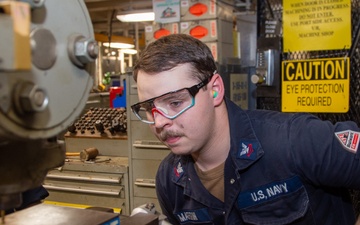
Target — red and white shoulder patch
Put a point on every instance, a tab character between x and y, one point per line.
349	139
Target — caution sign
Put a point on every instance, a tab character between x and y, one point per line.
319	85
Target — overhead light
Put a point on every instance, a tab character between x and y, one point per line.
129	51
116	41
136	16
118	45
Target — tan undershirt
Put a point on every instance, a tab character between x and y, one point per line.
213	180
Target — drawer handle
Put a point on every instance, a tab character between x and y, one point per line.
79	177
145	182
149	144
81	190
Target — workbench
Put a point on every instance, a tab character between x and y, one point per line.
44	214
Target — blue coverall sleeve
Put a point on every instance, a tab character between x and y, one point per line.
325	153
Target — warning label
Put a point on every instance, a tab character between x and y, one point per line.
311	25
320	85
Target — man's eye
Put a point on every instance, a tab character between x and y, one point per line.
147	107
176	104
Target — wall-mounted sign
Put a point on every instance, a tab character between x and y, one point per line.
239	90
166	11
271	27
310	25
320	85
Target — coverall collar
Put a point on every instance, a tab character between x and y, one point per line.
244	151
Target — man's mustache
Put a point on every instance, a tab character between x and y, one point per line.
164	135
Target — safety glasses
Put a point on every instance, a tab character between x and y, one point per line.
169	105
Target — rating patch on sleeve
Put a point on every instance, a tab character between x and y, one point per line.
349	140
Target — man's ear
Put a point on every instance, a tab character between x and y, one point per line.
217	89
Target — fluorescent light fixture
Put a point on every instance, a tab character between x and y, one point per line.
136	16
116	41
129	51
118	45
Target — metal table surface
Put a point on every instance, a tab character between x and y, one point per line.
44	214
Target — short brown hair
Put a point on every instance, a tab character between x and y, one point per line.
173	50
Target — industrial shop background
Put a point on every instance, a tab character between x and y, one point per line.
141	151
111	156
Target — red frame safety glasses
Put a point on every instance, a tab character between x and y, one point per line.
169	105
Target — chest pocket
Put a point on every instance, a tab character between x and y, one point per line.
276	203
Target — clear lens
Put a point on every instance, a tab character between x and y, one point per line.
173	103
169	105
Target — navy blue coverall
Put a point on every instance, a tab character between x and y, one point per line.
281	169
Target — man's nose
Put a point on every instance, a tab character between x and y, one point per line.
160	120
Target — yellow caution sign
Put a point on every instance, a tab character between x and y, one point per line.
319	85
316	25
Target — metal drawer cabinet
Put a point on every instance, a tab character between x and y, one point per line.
103	184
